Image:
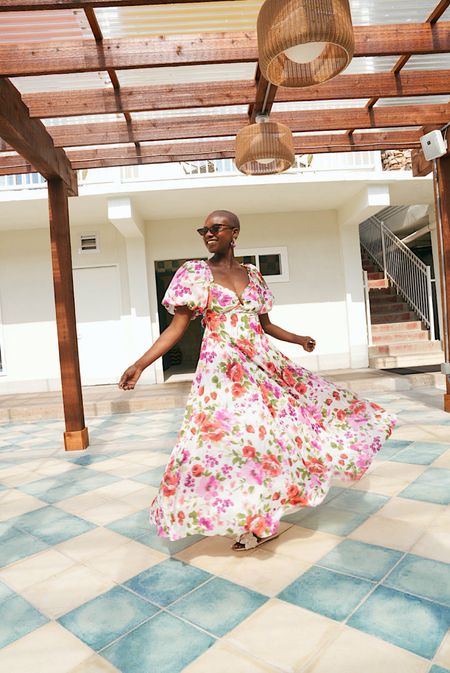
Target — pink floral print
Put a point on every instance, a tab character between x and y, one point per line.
261	436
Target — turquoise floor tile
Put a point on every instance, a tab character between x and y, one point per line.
53	525
366	561
133	526
328	519
163	644
416	624
19	545
391	448
151	477
104	619
433	485
420	453
167	581
163	544
90	459
361	502
423	577
5	592
218	606
439	669
326	592
19	618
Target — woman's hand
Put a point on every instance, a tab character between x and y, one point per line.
308	344
130	377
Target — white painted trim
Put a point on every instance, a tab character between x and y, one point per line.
283	277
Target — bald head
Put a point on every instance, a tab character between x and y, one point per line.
231	218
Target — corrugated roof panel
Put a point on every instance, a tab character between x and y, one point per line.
82	80
387	129
414	100
187	73
319	105
429	62
82	119
38	26
365	12
191	112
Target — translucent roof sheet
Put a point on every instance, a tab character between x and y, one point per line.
40	25
388	128
414	100
187	73
212	112
81	80
365	64
365	12
83	119
429	62
319	105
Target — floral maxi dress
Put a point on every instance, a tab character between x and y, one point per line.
261	436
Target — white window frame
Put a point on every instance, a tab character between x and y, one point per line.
283	277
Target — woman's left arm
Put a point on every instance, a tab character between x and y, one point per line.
307	342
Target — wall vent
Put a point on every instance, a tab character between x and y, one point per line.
88	243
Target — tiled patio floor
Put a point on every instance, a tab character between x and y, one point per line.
359	584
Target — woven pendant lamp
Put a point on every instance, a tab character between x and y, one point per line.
304	42
264	148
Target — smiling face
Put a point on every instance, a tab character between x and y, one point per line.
219	242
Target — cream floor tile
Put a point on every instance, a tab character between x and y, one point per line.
125	561
20	479
14	503
142	498
95	664
119	489
148	458
49	649
411	511
400	471
262	571
443	460
118	467
444	518
442	657
354	652
210	554
283	635
35	569
221	658
80	503
108	511
303	544
386	532
91	544
434	543
67	590
380	485
422	433
51	468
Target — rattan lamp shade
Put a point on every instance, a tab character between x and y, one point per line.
264	148
316	34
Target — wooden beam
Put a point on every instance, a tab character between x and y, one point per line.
30	138
438	11
420	165
28	5
204	126
76	435
43	58
442	197
216	149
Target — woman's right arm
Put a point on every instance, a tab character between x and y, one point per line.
164	343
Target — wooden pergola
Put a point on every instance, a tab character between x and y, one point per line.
200	119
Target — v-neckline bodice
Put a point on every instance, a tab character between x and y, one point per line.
239	296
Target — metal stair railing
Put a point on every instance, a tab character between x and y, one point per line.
409	275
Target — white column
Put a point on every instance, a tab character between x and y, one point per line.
140	337
354	297
436	264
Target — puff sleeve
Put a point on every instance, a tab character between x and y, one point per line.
265	294
188	287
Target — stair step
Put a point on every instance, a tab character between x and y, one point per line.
375	275
385	298
404	326
414	347
400	337
380	283
388	307
406	360
384	318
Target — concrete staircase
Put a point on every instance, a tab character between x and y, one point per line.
398	335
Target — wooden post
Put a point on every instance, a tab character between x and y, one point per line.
442	194
76	436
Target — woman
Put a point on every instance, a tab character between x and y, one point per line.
260	436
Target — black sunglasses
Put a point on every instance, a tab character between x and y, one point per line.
214	229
